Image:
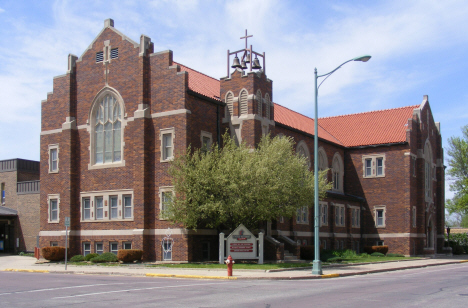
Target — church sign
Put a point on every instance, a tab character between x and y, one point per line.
241	244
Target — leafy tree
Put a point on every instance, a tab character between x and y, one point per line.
458	163
234	184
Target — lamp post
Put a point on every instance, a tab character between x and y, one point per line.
317	264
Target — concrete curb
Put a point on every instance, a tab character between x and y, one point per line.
234	277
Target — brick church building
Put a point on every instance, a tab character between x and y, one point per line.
113	122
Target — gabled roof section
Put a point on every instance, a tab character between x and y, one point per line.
201	83
301	122
109	23
370	128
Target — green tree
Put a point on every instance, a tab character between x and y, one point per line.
458	172
234	184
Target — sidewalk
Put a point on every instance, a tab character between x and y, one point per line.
28	264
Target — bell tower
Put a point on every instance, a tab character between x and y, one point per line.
247	92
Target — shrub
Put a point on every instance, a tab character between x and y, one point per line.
459	243
77	258
349	254
377	254
371	249
105	257
457	249
326	254
394	255
129	255
53	253
335	259
364	255
89	256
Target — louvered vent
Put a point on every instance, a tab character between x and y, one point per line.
99	56
244	109
229	104
114	53
267	106
259	102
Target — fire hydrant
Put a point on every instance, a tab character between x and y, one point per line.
229	262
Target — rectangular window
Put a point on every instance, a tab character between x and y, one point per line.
355	217
166	199
127	245
114	209
53	158
99	248
373	166
128	209
99	56
99	208
53	210
323	214
302	215
206	140
86	248
368	167
167	136
114	247
86	209
379	161
379	243
340	217
281	220
379	216
53	244
114	53
167	141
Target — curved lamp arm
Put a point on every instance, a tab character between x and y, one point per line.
362	59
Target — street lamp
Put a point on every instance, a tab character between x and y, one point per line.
317	264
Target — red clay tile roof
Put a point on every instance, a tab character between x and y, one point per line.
298	121
201	83
370	128
360	129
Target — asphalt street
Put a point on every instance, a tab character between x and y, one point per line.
441	286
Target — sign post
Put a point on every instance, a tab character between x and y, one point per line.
241	244
67	224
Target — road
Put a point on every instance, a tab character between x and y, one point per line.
440	286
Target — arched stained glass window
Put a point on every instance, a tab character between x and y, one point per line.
107	126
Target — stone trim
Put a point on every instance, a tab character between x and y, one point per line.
170	112
128	232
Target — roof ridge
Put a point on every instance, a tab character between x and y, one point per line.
195	70
366	112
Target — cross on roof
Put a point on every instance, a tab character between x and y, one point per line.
246	37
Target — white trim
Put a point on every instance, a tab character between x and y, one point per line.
53	197
50	132
106	208
384	217
170	112
373	158
128	232
394	235
53	147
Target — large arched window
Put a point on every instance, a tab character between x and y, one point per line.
107	129
322	159
337	172
303	150
243	105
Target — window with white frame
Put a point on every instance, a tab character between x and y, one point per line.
53	244
355	217
54	210
323	213
166	195
99	248
340	217
127	245
86	248
167	144
373	165
107	205
379	214
99	208
414	216
337	172
53	158
206	141
379	243
303	151
114	247
302	215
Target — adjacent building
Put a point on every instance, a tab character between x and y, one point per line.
117	117
19	205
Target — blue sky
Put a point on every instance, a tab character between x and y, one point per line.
417	48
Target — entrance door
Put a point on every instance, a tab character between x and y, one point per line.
7	238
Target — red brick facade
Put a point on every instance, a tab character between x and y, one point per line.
157	97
